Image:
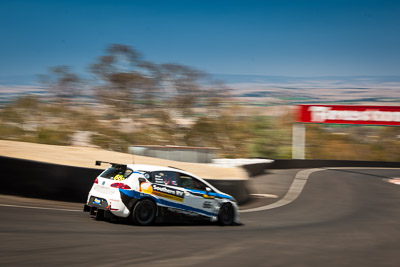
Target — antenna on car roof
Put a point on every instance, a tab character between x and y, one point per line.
175	168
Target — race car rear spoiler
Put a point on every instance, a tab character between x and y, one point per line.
99	162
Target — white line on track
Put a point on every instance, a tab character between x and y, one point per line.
37	208
298	184
294	191
393	180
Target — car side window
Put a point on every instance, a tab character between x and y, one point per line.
166	178
190	182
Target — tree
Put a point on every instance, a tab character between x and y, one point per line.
181	85
122	80
62	83
271	137
129	83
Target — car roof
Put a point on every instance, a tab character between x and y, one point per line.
151	168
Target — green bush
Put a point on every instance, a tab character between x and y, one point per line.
53	137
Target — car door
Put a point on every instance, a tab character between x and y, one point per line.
166	187
196	195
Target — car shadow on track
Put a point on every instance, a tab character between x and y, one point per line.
168	222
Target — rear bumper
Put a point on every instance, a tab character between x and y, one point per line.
110	207
98	212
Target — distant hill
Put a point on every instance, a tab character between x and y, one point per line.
262	89
336	89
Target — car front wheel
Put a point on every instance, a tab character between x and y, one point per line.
144	212
226	214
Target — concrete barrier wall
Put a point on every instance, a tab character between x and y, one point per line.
309	163
43	180
256	169
239	189
67	183
184	154
253	166
260	168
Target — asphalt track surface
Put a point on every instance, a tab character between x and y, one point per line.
346	217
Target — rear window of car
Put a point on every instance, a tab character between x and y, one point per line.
114	172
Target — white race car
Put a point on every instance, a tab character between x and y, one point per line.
144	193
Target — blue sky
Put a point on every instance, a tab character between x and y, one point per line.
282	37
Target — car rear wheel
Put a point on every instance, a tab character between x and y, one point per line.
226	214
144	212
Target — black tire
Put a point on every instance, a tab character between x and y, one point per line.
144	212
226	215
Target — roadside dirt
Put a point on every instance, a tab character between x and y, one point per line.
86	157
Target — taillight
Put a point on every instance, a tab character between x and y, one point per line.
121	185
96	181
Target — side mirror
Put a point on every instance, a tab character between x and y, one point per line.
208	190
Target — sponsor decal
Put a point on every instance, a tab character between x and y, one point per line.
167	192
184	212
159	180
207	205
146	188
103	189
119	177
162	191
208	196
372	115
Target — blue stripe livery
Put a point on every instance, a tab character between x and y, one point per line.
138	195
209	193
